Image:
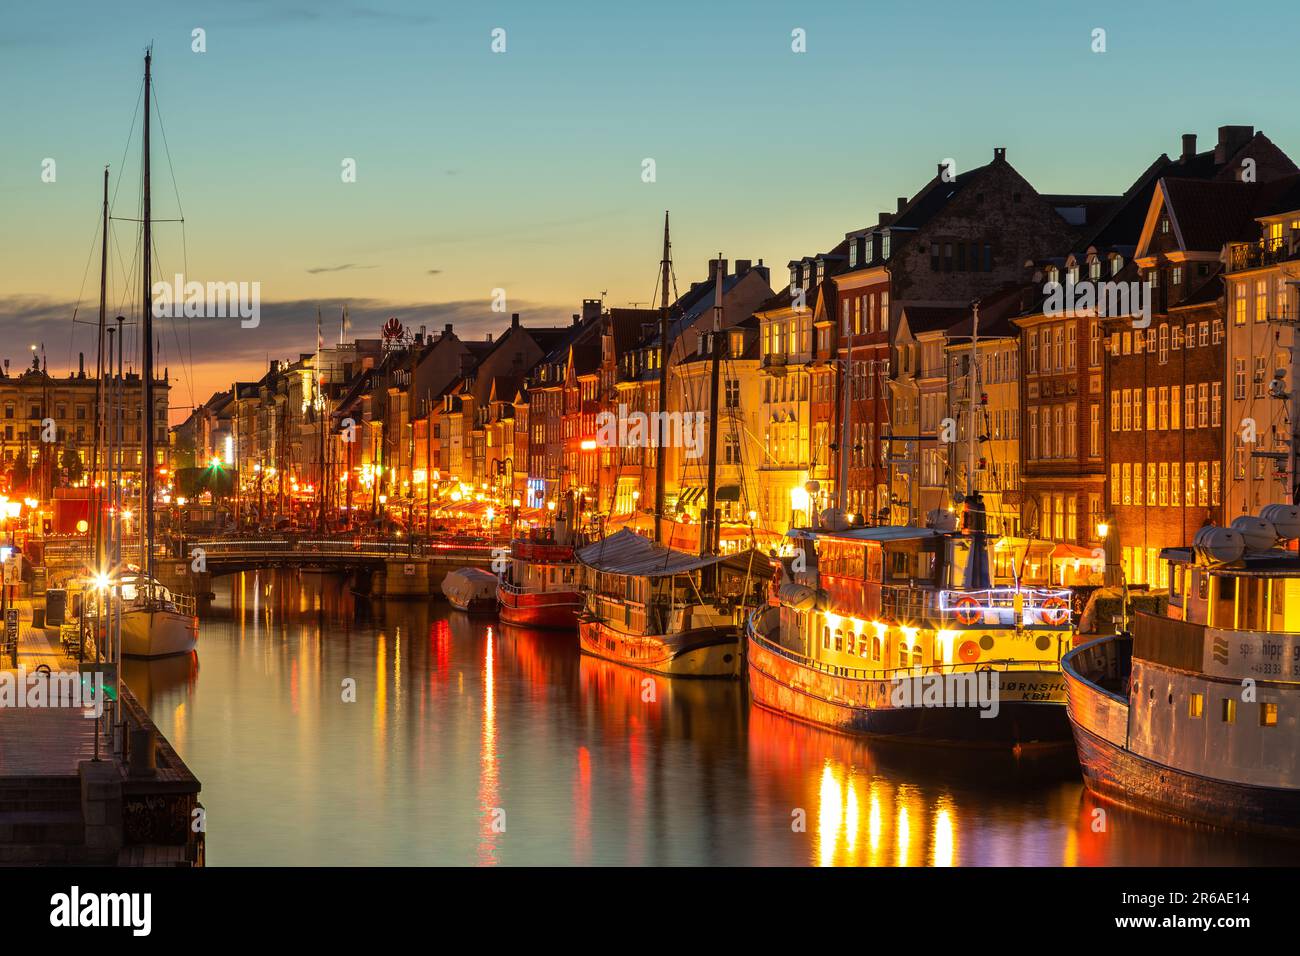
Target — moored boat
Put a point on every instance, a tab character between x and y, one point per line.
897	632
668	611
1195	715
472	590
155	621
539	588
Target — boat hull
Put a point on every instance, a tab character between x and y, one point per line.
1113	773
1030	711
549	610
158	633
476	606
699	652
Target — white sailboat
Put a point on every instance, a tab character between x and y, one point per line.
155	622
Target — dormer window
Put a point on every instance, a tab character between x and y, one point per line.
853	254
796	278
1116	263
821	269
869	252
884	246
1053	275
1094	270
1072	275
1164	224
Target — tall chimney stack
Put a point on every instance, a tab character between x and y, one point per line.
1189	146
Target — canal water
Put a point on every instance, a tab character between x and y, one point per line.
469	743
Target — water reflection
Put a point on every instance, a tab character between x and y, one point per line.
328	729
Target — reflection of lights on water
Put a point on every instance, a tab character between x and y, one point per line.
851	816
829	815
875	824
943	837
903	833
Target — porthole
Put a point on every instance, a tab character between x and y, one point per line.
1043	642
986	642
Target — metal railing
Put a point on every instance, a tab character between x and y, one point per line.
891	673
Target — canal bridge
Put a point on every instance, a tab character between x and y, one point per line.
386	567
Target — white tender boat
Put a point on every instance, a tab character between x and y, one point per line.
472	590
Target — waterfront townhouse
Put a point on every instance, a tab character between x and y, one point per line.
960	237
622	333
1166	372
739	442
796	445
1262	400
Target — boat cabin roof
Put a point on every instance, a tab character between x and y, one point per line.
1274	561
629	553
881	534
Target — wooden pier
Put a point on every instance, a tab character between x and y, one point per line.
61	805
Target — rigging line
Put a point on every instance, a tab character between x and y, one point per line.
81	291
127	145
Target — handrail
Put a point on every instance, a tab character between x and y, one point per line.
857	673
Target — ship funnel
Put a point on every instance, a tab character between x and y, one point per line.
1215	545
979	574
1285	520
1257	533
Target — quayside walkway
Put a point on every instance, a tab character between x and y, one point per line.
61	805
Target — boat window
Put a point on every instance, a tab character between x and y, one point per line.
1229	710
1268	715
874	563
1195	706
1175	584
1252	604
1221	614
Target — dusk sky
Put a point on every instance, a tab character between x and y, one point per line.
523	170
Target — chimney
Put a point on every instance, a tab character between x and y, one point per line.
1231	139
81	365
446	329
902	204
1189	146
713	269
577	319
743	265
489	337
885	219
514	322
939	168
590	309
999	154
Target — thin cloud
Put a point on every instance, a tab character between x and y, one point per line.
343	268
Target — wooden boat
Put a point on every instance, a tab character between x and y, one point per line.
668	611
1195	715
472	590
539	589
895	631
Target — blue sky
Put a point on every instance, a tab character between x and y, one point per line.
522	170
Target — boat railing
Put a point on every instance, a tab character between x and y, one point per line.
1006	606
893	673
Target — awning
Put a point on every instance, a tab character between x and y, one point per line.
689	496
627	552
1072	552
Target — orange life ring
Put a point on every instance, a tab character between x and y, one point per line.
1055	611
969	652
969	611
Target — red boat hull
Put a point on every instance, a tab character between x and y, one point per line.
551	610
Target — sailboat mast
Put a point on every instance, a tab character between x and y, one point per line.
96	496
661	435
709	530
972	439
146	355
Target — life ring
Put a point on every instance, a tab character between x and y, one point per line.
969	652
969	611
1055	611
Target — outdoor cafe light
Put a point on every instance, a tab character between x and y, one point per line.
1103	529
